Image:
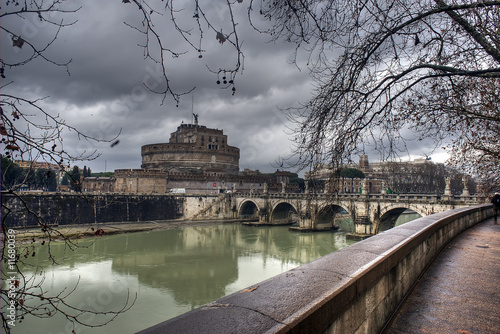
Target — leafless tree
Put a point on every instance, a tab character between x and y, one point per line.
377	66
422	178
464	111
32	133
206	22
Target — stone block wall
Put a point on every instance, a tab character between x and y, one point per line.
69	209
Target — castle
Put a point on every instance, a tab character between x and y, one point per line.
197	160
193	149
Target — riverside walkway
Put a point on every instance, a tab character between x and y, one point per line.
460	291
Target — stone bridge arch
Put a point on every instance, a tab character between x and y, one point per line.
390	214
327	214
248	209
283	212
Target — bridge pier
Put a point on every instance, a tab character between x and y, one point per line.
264	216
363	228
363	218
306	224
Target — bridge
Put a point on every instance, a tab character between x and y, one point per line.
370	213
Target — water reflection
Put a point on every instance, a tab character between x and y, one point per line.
174	270
407	217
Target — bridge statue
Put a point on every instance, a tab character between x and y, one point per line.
383	188
447	189
364	188
465	181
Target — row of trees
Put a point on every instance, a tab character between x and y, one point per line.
74	178
397	177
15	177
18	178
425	178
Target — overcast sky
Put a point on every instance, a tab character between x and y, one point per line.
105	91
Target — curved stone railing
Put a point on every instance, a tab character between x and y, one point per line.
356	289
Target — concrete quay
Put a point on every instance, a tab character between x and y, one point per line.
460	291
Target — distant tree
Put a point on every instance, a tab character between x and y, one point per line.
294	178
30	178
84	171
351	173
45	179
65	180
316	185
12	174
75	179
52	181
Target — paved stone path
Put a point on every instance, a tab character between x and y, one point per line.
460	292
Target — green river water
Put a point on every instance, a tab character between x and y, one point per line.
166	272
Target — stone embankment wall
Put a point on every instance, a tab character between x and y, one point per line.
66	209
206	207
354	290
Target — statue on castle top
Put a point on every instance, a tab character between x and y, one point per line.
195	118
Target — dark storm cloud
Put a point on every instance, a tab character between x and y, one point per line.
105	93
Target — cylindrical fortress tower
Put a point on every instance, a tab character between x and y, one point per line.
193	148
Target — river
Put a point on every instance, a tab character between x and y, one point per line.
165	273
